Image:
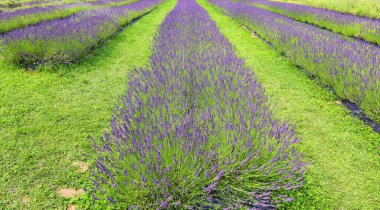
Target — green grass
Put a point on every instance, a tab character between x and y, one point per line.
46	116
367	8
343	151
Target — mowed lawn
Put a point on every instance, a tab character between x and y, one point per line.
46	116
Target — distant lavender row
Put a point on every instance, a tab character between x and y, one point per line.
351	67
21	12
40	9
24	17
65	40
347	24
53	2
36	3
195	130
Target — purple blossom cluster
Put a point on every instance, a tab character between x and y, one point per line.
29	16
195	129
350	67
65	40
23	12
58	2
36	3
347	24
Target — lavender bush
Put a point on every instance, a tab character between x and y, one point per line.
24	17
347	24
350	67
195	129
65	40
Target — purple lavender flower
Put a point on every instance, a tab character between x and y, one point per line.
65	40
174	116
347	24
350	66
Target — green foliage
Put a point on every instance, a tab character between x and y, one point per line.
12	4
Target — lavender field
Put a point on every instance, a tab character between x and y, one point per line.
188	104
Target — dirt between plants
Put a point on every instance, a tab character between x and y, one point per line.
253	34
71	207
25	199
83	167
70	193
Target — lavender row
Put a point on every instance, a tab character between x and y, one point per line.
65	40
37	3
195	129
350	67
23	17
347	24
30	16
29	4
6	16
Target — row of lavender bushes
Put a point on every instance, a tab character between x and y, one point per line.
66	40
30	16
350	67
195	129
52	2
13	5
346	24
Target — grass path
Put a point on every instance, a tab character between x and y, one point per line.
46	116
343	152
